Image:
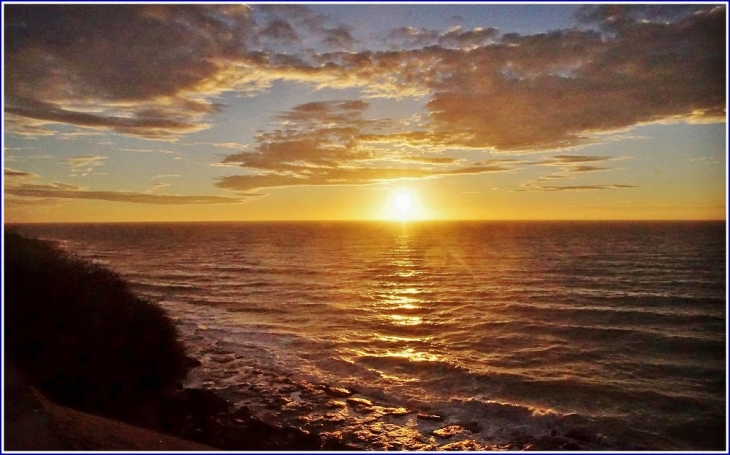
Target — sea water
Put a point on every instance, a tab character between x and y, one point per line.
523	327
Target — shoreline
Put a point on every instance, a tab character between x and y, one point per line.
274	413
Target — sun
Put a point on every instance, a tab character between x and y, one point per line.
403	205
403	202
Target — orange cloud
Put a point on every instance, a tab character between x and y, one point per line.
19	186
326	143
53	191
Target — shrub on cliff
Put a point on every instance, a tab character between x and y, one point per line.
80	334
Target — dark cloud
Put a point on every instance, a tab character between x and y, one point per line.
152	71
280	30
299	16
287	60
338	37
133	69
619	16
553	90
286	10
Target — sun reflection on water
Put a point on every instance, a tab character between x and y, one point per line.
402	302
406	320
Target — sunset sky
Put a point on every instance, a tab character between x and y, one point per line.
336	112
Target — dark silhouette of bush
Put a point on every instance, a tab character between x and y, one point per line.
79	333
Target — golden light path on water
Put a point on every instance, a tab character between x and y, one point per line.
400	302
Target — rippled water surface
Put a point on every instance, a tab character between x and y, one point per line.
520	326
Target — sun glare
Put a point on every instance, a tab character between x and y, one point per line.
403	205
403	202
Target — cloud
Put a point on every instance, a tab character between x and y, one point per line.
572	159
467	39
587	169
427	160
15	203
20	188
15	174
133	69
570	167
230	145
586	187
330	143
99	67
554	90
63	191
576	163
341	176
119	196
619	17
81	166
280	30
559	89
408	37
338	37
156	187
531	93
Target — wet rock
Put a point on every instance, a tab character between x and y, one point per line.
338	392
361	405
449	431
397	412
332	440
570	446
432	417
333	417
333	404
466	444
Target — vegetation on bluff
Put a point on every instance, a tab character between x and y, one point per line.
79	333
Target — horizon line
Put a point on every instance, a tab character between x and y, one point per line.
385	221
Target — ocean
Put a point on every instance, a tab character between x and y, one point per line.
613	334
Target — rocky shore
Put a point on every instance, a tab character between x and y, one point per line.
269	412
273	411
